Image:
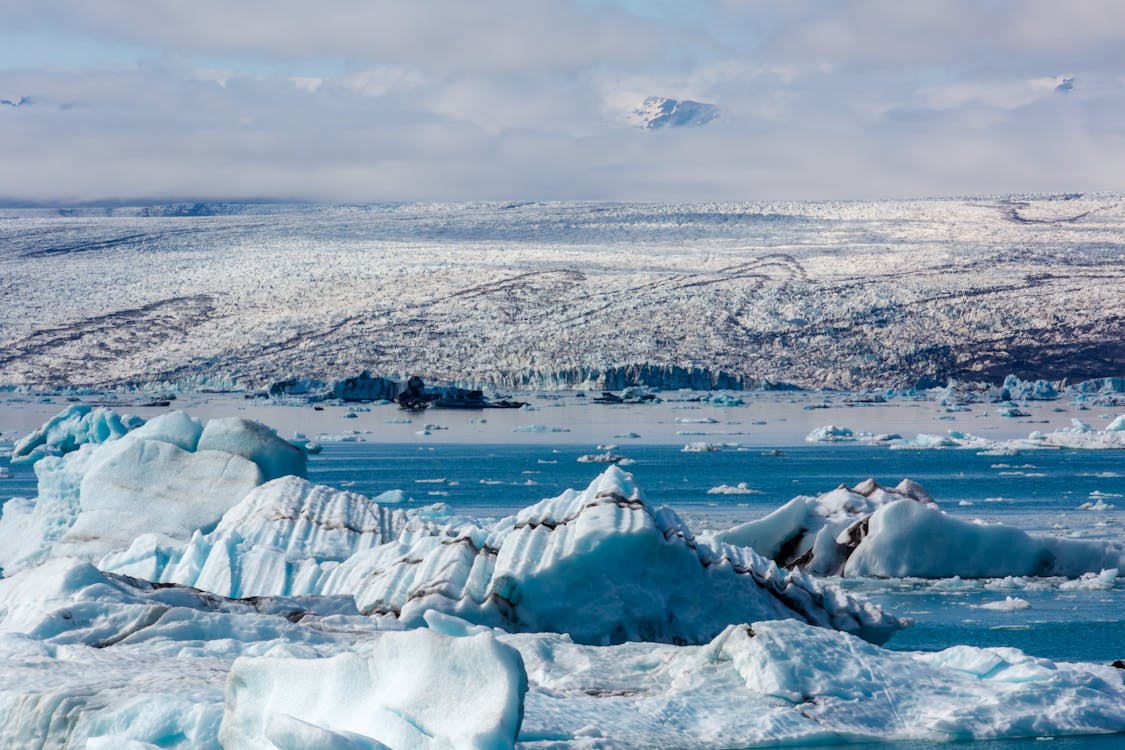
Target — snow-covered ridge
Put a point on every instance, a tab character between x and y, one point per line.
866	294
661	112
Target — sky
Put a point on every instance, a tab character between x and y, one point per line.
363	100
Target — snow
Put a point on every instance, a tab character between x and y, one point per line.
418	690
75	426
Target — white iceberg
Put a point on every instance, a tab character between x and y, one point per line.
871	530
643	574
830	433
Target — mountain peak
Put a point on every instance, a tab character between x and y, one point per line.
660	112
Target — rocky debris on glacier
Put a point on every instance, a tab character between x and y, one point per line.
171	476
643	573
871	530
75	426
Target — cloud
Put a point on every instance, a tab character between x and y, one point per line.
485	35
354	101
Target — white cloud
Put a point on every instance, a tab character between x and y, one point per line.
356	100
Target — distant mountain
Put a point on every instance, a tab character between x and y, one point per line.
661	112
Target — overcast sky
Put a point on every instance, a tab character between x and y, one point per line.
354	100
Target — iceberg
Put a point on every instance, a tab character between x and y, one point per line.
643	574
75	426
830	433
171	476
283	537
871	530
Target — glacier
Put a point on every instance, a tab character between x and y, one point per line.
865	294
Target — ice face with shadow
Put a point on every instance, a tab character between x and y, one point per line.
871	530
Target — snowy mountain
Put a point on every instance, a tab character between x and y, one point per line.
815	294
660	112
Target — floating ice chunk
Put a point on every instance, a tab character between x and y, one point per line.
101	497
67	601
255	441
75	426
168	477
816	534
908	539
419	690
870	530
1103	581
701	447
783	683
1007	604
830	433
642	574
742	488
609	457
539	428
1117	425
